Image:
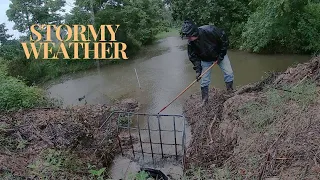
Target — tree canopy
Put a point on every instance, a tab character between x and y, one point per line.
259	25
25	13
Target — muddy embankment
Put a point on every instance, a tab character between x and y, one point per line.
270	129
72	143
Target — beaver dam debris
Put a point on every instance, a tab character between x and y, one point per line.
73	143
270	129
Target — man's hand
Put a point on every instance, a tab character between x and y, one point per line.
220	59
198	76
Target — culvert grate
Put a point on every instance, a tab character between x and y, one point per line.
151	138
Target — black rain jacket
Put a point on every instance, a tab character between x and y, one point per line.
211	45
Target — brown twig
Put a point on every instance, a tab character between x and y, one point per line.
316	162
43	138
301	81
210	128
268	152
283	158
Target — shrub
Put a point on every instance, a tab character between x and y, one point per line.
15	94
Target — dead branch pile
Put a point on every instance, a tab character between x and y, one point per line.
78	131
287	145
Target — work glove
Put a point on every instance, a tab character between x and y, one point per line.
198	70
198	76
220	58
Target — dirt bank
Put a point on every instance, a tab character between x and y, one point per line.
59	143
270	129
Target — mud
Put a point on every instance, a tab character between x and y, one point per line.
287	147
79	136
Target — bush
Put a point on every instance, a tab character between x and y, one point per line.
283	26
309	28
259	25
15	94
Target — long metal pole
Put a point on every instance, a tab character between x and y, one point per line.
187	87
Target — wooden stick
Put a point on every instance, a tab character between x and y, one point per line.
137	77
188	87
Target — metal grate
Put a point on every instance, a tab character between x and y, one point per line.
155	137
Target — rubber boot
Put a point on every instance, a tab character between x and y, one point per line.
229	86
205	96
230	90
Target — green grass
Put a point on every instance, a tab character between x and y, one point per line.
261	114
142	175
222	173
170	32
196	173
54	163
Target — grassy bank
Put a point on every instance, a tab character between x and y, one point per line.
170	32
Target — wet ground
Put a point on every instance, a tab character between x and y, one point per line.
163	71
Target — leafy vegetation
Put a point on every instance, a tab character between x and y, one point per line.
96	174
259	25
142	175
15	94
53	164
34	12
140	22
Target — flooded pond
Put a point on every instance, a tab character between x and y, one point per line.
164	70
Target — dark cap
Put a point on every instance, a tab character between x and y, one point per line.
189	29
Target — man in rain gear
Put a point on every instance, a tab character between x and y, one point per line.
207	44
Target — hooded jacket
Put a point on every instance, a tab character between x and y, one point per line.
211	45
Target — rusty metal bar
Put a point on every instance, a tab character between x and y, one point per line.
168	115
140	136
150	138
183	146
160	135
128	121
119	141
157	154
118	135
160	143
175	136
163	130
133	129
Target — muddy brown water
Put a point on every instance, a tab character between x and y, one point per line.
164	71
